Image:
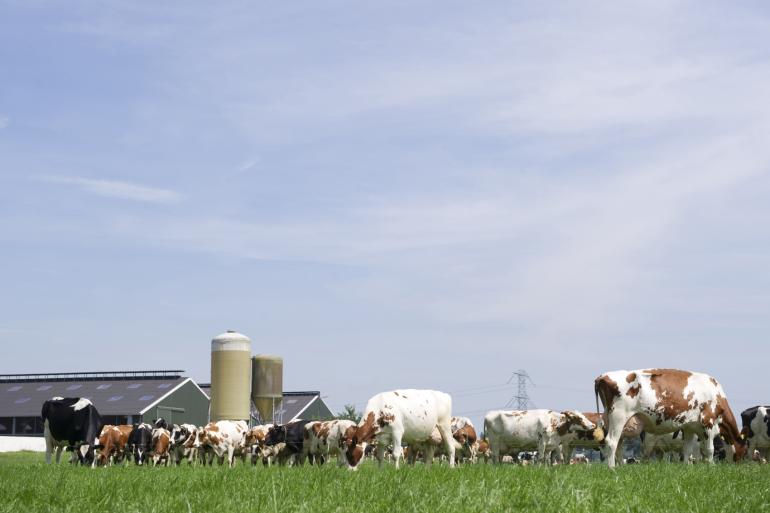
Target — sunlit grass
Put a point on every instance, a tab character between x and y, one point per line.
27	484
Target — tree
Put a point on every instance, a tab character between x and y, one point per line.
350	413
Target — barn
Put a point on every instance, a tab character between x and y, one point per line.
124	397
308	405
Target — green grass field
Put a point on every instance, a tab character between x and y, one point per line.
27	484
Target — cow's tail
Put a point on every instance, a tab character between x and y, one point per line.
599	432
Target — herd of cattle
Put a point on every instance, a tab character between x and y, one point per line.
672	411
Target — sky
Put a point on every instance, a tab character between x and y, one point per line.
411	194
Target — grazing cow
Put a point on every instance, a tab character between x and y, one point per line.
112	444
668	400
326	439
587	440
543	430
225	437
464	433
756	430
408	416
482	450
293	435
70	422
255	443
140	443
161	444
184	443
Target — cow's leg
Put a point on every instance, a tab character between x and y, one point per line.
617	420
707	444
398	452
446	437
566	453
231	456
427	456
494	450
689	445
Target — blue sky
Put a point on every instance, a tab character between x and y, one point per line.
412	194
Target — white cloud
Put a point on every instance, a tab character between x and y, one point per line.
117	189
5	122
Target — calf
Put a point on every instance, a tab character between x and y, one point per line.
140	443
668	400
326	439
225	437
465	434
293	436
70	422
408	416
756	430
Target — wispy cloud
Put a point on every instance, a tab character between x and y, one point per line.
118	189
5	122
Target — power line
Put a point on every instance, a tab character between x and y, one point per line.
521	399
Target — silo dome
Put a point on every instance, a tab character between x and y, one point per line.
230	376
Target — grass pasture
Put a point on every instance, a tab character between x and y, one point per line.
27	484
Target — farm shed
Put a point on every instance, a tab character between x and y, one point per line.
126	397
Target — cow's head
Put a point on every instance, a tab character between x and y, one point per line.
358	437
275	435
576	422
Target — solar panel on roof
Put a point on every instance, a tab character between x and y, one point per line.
291	401
115	398
15	389
74	387
104	386
134	385
164	385
21	400
146	397
44	387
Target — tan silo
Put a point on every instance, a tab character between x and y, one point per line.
230	376
266	384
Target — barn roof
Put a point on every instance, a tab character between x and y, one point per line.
113	393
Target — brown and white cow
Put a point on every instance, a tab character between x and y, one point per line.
255	443
161	446
325	439
541	430
668	400
407	416
224	437
112	444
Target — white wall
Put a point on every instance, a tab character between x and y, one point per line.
22	443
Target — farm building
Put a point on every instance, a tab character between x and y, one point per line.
121	397
306	405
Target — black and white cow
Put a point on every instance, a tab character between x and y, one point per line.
140	443
291	434
756	429
70	422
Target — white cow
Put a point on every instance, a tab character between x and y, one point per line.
668	400
401	416
224	437
541	430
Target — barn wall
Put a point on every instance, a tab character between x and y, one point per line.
317	411
188	397
22	443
